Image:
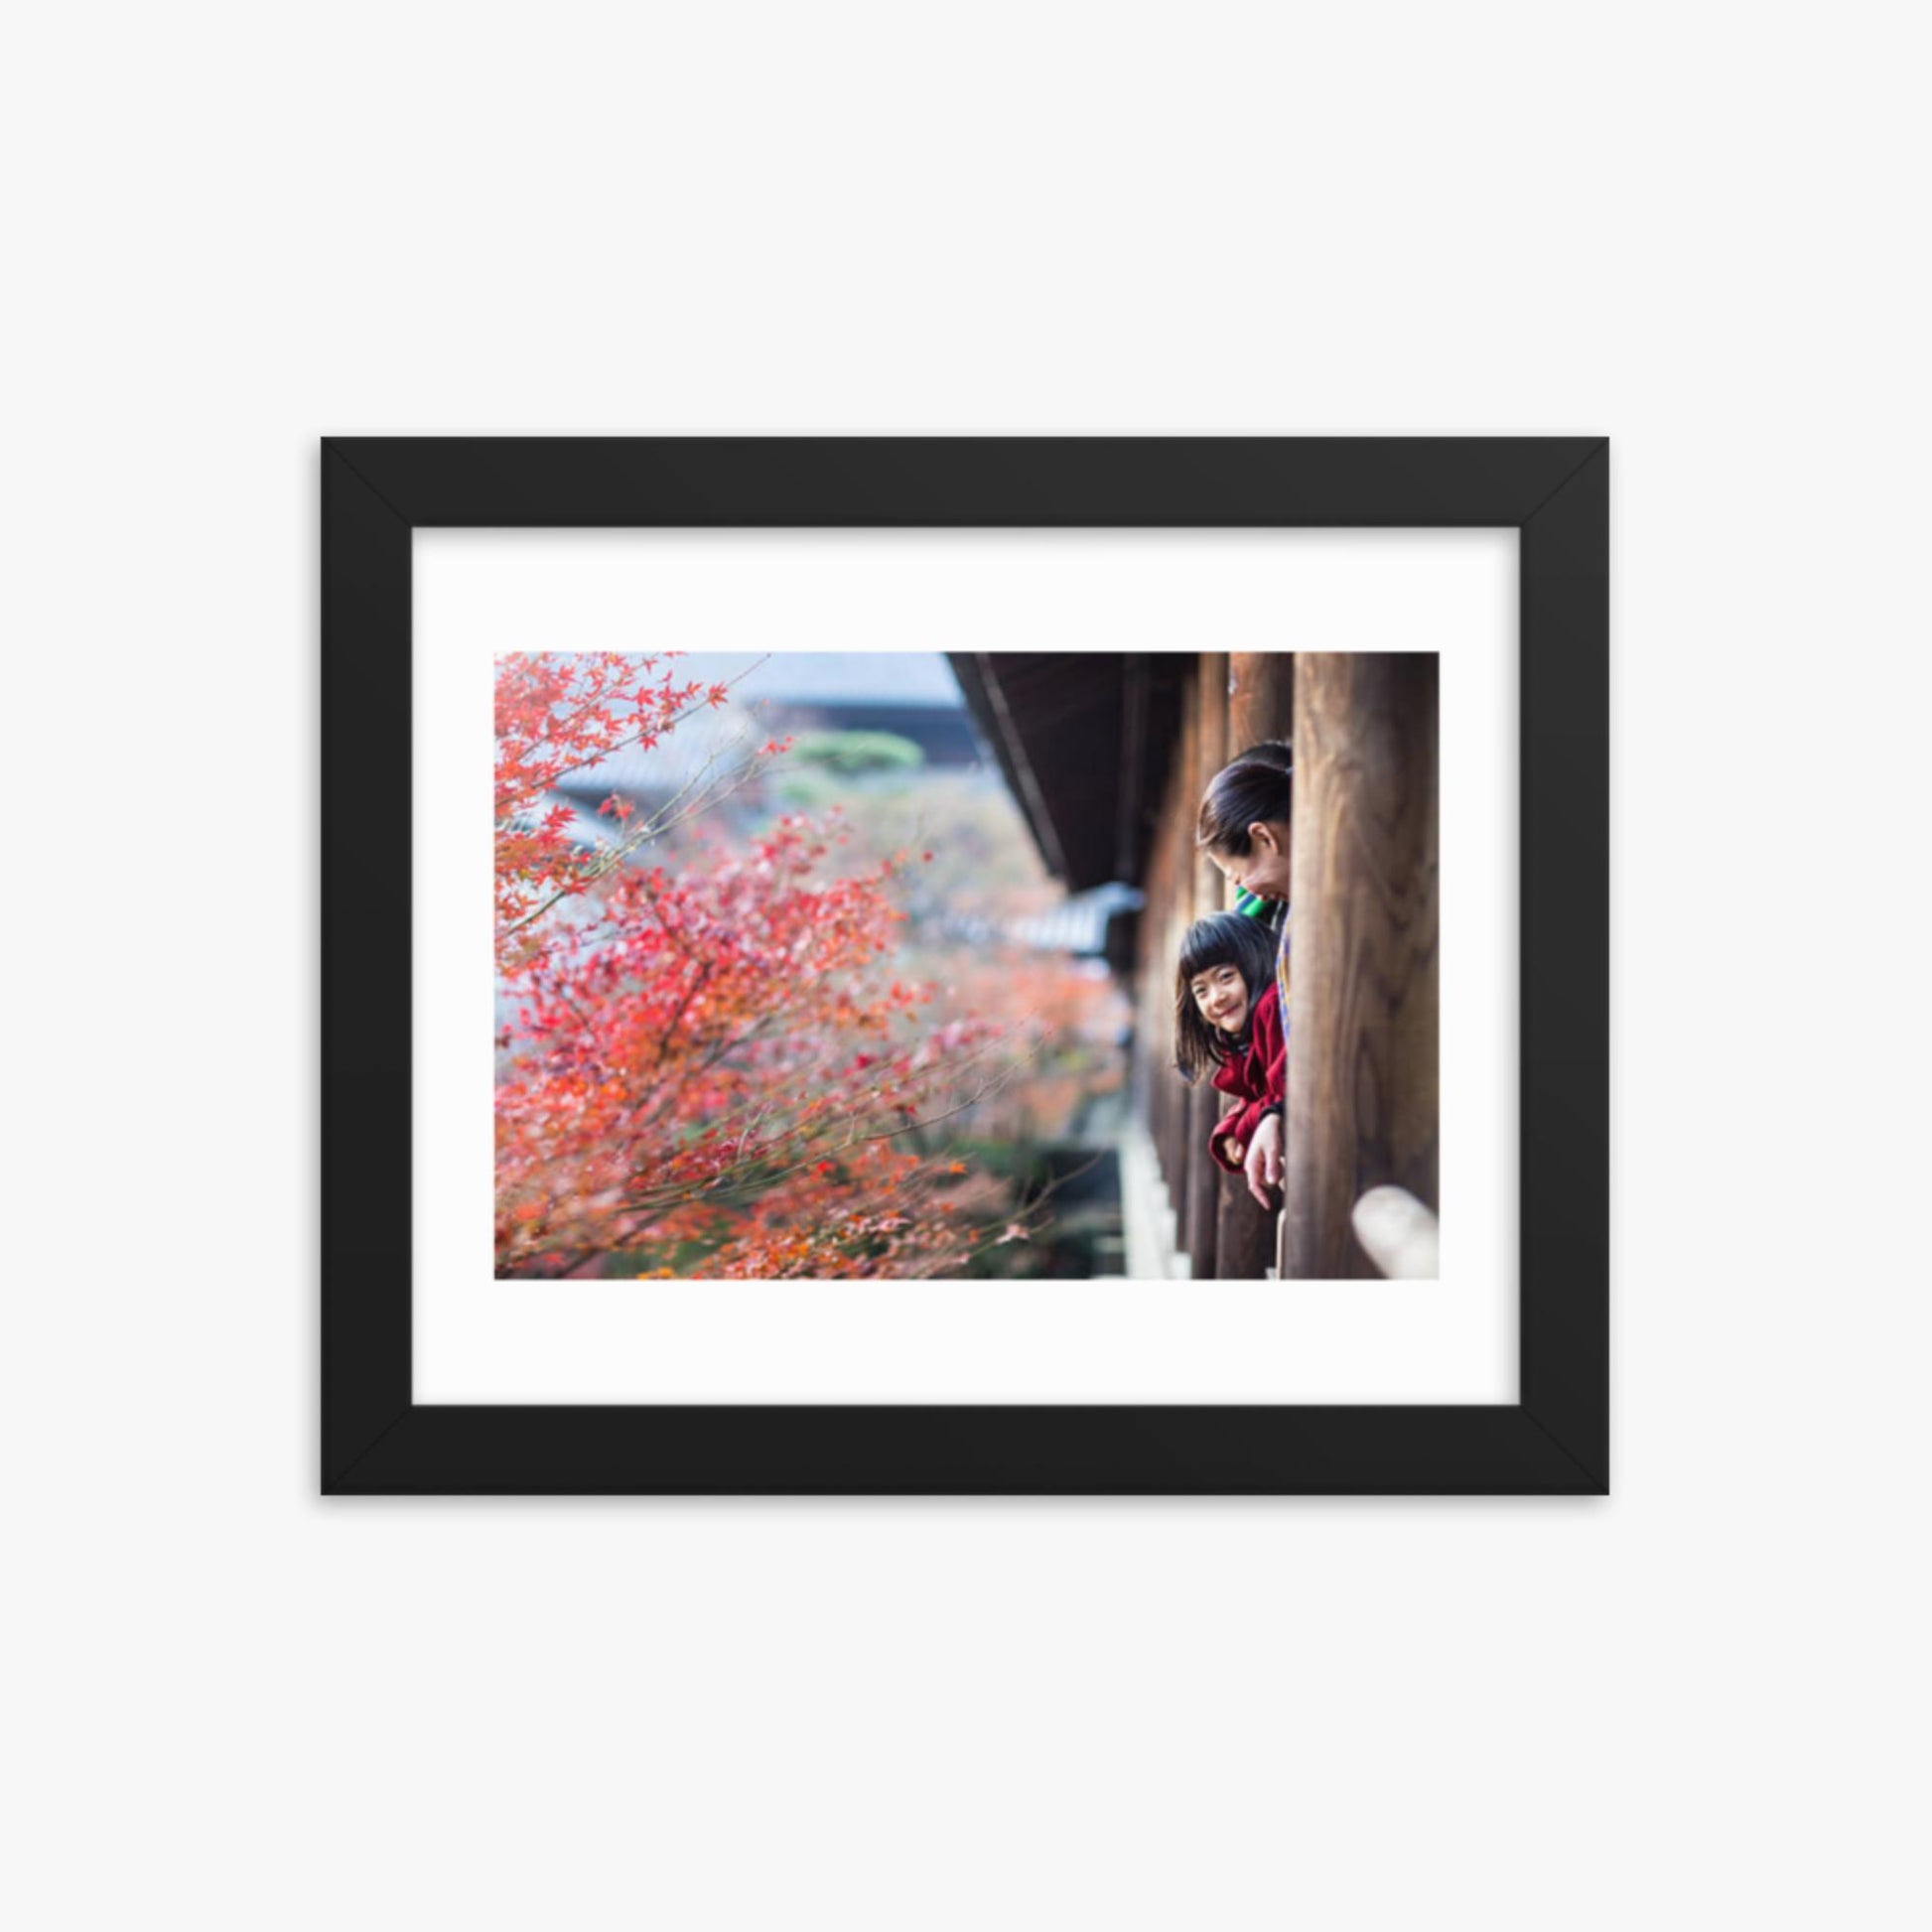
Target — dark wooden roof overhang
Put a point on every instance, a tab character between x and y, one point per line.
1085	740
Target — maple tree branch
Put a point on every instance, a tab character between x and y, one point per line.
646	730
602	864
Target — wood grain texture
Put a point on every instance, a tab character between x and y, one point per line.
1186	760
1169	1111
1260	705
1362	1064
1205	1177
1260	698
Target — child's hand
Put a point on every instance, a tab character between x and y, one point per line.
1264	1161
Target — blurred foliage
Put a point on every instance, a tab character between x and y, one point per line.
855	754
973	1188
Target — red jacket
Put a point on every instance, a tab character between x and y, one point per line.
1258	1077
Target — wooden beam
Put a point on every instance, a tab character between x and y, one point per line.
1019	764
1362	969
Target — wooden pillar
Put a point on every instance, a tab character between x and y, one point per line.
1158	924
1181	912
1362	970
1260	698
1205	1181
1155	1025
1260	705
1146	955
1210	754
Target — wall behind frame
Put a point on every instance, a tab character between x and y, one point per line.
233	1706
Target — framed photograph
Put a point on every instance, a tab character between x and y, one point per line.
965	966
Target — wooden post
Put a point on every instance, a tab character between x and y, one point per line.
1260	698
1204	1180
1181	857
1159	919
1154	1030
1260	705
1210	754
1146	951
1362	966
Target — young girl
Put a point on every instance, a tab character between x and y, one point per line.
1243	827
1228	1025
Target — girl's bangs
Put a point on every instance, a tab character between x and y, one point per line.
1228	939
1203	950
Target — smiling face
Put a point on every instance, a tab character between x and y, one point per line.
1263	868
1221	994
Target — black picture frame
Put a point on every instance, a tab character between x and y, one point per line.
377	490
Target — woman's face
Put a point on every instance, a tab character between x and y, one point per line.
1221	994
1263	868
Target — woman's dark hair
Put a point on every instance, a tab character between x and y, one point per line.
1252	790
1220	939
1277	752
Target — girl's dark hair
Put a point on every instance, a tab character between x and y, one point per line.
1258	786
1220	939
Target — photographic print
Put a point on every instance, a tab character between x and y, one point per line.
992	966
965	965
